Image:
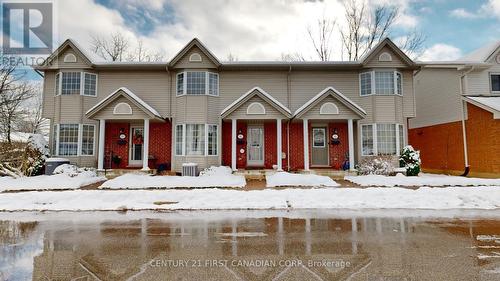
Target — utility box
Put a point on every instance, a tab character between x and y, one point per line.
189	169
52	163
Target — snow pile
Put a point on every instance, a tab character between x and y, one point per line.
451	198
421	180
66	180
213	177
289	179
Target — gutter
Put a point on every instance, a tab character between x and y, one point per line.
464	130
288	123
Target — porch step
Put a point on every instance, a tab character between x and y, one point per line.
335	174
254	174
113	173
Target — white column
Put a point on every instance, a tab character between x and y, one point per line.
350	129
145	146
306	144
280	142
100	152
233	144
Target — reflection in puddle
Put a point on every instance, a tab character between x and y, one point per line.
241	248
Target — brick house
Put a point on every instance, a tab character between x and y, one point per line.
457	126
248	114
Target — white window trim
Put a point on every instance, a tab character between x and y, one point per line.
58	93
80	140
491	82
205	153
373	83
361	139
207	83
324	138
57	140
82	85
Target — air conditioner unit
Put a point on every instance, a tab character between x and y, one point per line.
189	169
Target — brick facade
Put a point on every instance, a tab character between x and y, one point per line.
338	152
441	146
159	144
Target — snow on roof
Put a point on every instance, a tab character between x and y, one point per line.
279	104
491	102
481	54
132	96
308	103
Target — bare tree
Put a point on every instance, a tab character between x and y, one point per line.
13	93
292	57
113	48
366	27
321	38
142	54
231	57
33	120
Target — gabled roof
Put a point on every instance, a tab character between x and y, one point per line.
491	104
70	43
189	46
336	94
261	93
130	96
386	42
482	54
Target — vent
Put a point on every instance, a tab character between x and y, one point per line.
195	57
385	57
189	169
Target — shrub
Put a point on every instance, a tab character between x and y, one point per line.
410	160
381	165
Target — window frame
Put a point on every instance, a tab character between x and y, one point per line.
57	133
206	140
207	83
93	139
491	82
373	84
83	84
399	146
374	151
207	152
58	83
183	139
324	138
78	138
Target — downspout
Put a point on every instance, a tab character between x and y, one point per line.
288	82
464	131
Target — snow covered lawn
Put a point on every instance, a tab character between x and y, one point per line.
212	199
53	182
289	179
213	177
421	180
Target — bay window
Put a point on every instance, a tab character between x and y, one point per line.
197	83
196	140
73	140
380	83
382	139
76	83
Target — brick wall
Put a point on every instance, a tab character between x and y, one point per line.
226	144
338	151
111	147
160	142
441	146
296	146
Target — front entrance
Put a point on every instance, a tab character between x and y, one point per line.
255	146
319	153
136	147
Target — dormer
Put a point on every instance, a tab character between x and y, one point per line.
386	54
194	56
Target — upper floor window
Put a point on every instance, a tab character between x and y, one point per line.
495	82
380	83
197	83
70	83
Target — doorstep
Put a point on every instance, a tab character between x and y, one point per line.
113	173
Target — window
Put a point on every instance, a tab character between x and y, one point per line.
70	58
88	140
380	83
401	137
58	81
212	140
495	82
384	83
213	84
366	83
319	137
70	83
195	139
90	84
367	140
197	83
179	139
68	139
386	139
180	84
54	140
195	57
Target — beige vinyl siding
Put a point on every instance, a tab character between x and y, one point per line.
478	82
107	112
202	161
241	111
150	86
344	111
395	63
185	63
80	62
49	91
437	97
192	109
408	101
